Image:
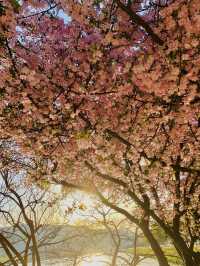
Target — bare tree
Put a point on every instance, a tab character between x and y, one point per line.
125	238
25	211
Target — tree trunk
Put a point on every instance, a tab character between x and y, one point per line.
9	254
33	257
34	242
135	256
189	259
187	255
196	256
155	246
143	226
114	257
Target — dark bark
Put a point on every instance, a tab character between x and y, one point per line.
189	257
8	246
26	251
143	226
135	256
9	254
155	246
32	237
140	22
34	242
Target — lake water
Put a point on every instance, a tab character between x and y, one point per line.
94	260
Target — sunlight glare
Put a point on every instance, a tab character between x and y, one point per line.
94	261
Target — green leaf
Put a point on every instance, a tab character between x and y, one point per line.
15	4
173	55
84	134
43	184
2	9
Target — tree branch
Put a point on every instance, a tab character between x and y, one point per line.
140	22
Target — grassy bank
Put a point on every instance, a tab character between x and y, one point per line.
170	252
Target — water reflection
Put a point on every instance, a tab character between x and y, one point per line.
102	260
97	260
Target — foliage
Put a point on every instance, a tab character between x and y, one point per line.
169	251
115	91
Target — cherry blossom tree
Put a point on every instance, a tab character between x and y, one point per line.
109	100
